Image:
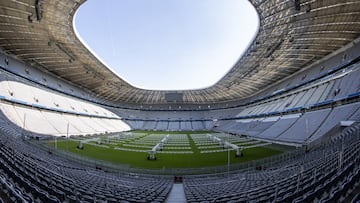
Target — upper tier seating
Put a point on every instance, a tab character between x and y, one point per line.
294	128
46	112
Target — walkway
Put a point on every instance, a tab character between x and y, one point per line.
176	194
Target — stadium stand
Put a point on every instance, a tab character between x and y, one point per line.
56	180
327	174
46	112
298	84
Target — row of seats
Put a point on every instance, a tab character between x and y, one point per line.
336	86
35	175
171	125
294	128
18	89
54	113
53	123
326	174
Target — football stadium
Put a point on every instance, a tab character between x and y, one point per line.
282	125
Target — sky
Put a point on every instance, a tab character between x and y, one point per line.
167	44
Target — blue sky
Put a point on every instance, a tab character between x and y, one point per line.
167	44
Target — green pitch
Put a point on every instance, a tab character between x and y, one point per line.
192	142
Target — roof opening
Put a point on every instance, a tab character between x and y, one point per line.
167	44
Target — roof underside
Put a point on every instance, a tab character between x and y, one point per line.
293	34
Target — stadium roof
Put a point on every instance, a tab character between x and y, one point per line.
293	34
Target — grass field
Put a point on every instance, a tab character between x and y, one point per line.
144	141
